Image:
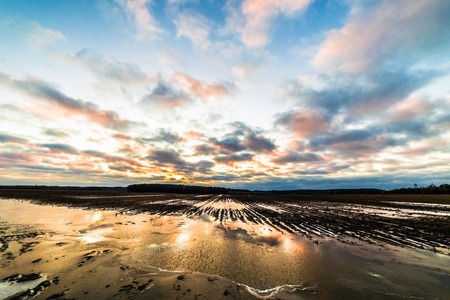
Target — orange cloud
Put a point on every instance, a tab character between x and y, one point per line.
193	135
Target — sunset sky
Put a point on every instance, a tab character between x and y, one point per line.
258	94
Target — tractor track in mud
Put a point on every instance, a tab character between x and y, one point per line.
423	223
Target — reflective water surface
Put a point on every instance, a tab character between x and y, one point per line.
259	257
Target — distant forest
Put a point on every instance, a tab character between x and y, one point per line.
201	189
431	189
177	188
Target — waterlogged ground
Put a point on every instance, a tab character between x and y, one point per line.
213	247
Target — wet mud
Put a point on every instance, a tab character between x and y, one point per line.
166	246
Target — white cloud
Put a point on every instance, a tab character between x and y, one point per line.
259	15
137	10
38	36
195	27
243	69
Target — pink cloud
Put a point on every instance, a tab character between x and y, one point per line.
409	109
304	123
200	89
61	105
372	34
259	15
244	69
426	147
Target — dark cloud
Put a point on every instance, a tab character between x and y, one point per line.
240	129
61	148
202	167
376	90
293	157
228	145
165	97
258	143
232	158
121	168
349	136
205	149
95	153
43	169
164	135
166	157
6	138
171	157
55	133
16	156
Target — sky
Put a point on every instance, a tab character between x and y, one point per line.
257	94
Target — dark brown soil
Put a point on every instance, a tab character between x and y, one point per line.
420	221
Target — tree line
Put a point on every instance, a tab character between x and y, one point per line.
176	188
431	189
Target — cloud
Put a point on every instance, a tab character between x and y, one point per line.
173	158
72	107
366	94
37	36
122	137
205	149
232	158
258	143
111	158
166	157
351	141
6	138
105	68
202	167
120	168
409	109
371	35
16	157
138	12
303	123
228	145
195	27
163	135
259	15
165	97
244	69
61	148
192	135
294	157
200	89
55	133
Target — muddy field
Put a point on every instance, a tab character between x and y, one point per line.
118	245
420	221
